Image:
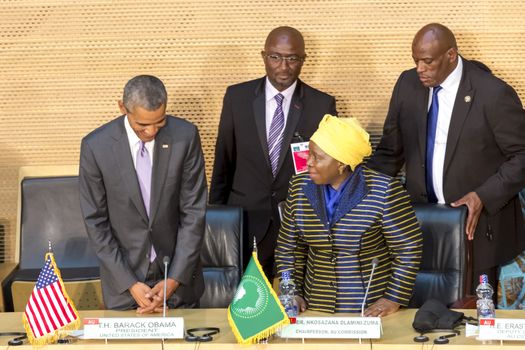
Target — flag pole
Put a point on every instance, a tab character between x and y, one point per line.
254	245
270	316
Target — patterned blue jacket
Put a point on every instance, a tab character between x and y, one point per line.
331	262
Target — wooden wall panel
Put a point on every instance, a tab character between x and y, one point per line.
63	63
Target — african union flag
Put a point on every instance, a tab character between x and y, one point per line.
255	311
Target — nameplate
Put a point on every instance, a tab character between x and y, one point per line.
134	328
333	327
501	329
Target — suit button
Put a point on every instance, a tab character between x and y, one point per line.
330	238
332	284
333	259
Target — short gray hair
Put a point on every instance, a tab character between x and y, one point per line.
145	91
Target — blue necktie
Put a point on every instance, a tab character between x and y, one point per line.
275	137
431	138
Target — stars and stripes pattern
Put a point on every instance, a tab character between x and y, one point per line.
275	136
49	308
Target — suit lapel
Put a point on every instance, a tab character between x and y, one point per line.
355	191
162	152
294	114
259	112
314	194
464	99
421	112
122	154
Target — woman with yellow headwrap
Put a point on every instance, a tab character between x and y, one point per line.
341	216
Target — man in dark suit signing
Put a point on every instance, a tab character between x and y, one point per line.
459	131
143	198
259	121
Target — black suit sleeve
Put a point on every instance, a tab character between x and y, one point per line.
225	154
388	157
506	118
332	108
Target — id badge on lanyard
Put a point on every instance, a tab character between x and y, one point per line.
300	156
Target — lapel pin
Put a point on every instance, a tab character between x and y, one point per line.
296	106
165	145
468	99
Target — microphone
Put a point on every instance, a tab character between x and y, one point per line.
165	261
375	261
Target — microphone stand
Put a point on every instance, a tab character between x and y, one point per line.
166	261
375	261
374	264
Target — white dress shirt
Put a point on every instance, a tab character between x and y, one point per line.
134	143
271	103
446	98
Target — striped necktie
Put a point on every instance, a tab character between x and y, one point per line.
275	137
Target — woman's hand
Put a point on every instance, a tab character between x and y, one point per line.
301	304
382	307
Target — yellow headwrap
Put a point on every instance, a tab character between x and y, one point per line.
343	139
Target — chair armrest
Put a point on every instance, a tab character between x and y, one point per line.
6	270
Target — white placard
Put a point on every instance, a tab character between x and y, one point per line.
134	328
501	329
334	327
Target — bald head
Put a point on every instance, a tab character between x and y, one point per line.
438	32
435	54
285	33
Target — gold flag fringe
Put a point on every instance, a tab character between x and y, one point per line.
53	337
268	331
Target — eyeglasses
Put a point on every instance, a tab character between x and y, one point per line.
276	59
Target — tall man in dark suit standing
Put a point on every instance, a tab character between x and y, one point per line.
143	198
459	131
259	121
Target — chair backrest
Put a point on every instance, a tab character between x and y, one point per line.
443	270
50	211
221	255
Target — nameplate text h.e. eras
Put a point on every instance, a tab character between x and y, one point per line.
501	329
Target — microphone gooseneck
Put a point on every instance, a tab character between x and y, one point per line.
166	261
375	261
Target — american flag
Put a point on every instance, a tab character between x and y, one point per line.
49	308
